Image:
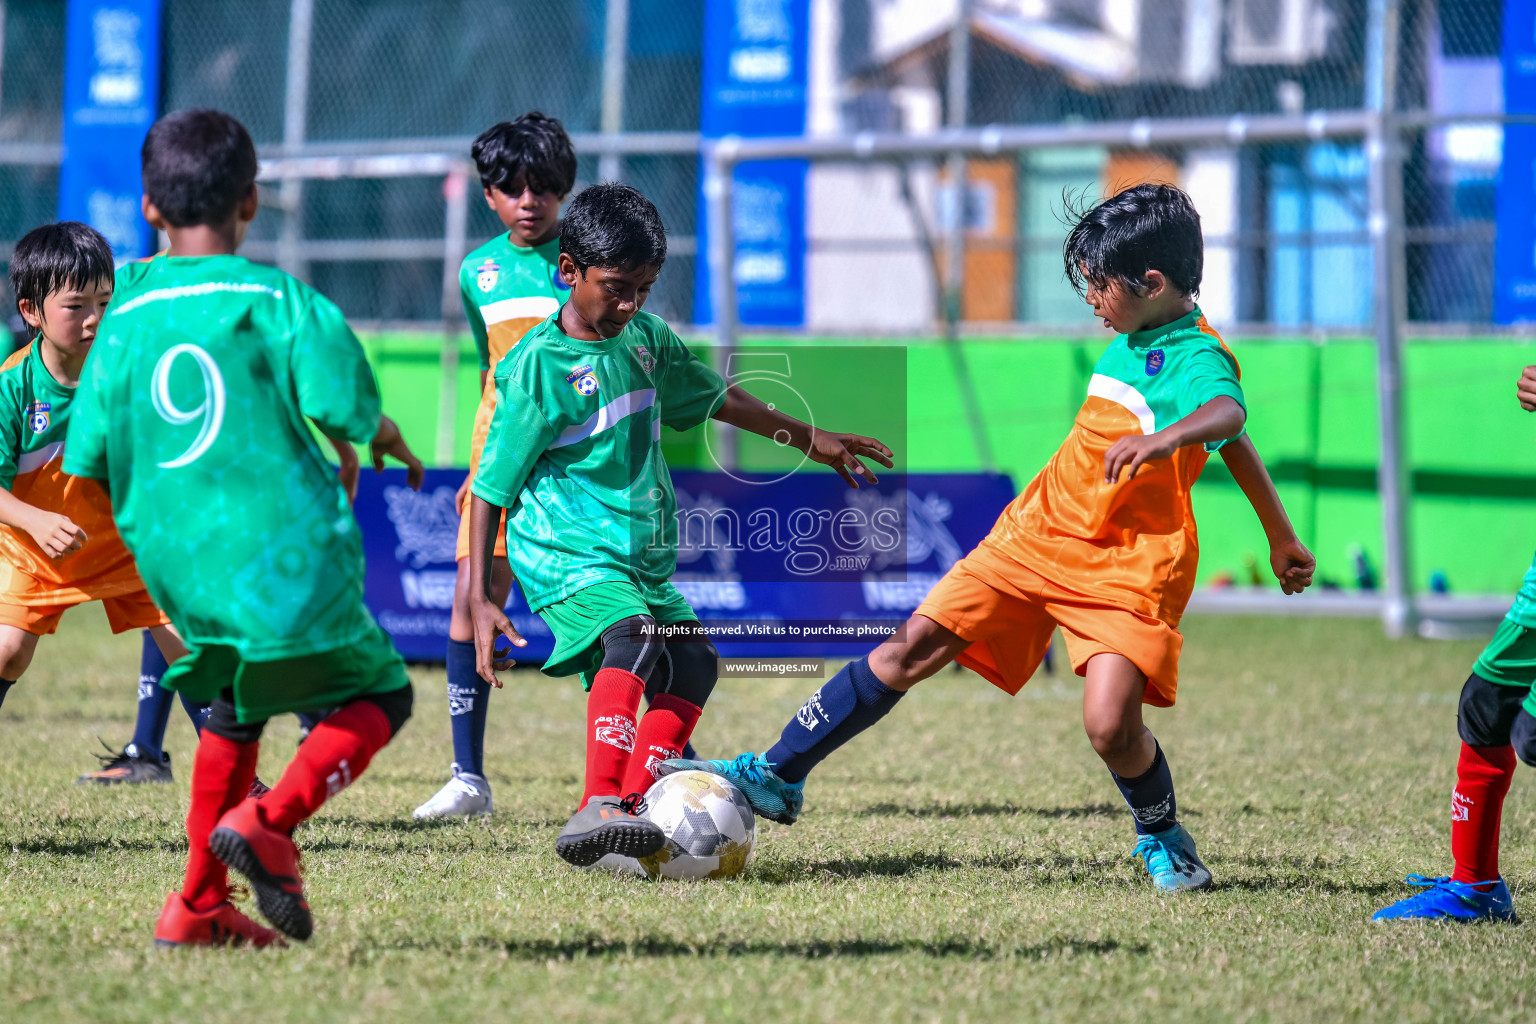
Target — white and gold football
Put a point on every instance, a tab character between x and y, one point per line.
710	830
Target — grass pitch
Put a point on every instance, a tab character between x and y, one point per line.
969	860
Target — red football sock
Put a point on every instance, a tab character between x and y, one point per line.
610	730
1482	778
664	730
221	777
334	755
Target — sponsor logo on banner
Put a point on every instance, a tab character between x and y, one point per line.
426	522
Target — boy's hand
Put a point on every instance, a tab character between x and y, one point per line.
842	451
1525	389
1293	565
1133	451
57	535
389	442
491	622
460	498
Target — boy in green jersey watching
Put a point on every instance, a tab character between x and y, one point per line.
195	410
574	457
508	286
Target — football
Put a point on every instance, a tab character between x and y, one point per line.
711	832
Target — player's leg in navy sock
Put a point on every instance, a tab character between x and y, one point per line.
847	704
468	699
154	702
197	712
5	688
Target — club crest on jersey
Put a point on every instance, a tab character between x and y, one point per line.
39	415
487	274
582	379
1155	362
647	361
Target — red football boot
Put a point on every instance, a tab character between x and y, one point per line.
180	925
268	858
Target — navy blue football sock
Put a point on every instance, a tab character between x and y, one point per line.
197	712
468	696
1150	797
846	705
154	701
5	688
688	753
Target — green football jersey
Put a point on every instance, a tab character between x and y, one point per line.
1523	611
574	453
193	409
506	290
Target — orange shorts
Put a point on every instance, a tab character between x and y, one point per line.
483	414
1008	618
124	612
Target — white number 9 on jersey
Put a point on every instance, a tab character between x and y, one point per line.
210	409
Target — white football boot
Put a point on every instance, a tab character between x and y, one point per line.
464	796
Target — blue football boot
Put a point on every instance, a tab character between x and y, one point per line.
1171	859
1453	901
770	796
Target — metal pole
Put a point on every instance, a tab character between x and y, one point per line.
1383	146
455	227
718	170
958	99
301	20
610	166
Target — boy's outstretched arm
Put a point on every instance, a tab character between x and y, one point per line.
348	467
1216	420
840	451
487	617
1292	563
387	441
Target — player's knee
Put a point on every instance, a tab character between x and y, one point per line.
695	670
396	705
1523	737
1487	712
632	644
1112	735
15	654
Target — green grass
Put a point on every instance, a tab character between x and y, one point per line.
969	860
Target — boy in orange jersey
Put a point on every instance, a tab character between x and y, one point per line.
59	546
1101	544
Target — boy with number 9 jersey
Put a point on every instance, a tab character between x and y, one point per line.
196	412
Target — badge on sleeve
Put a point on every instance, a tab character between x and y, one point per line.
1154	362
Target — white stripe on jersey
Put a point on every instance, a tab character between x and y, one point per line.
521	307
40	458
608	416
189	290
1125	396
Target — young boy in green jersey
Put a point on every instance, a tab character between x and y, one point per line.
1101	544
1496	722
508	285
59	546
195	411
574	458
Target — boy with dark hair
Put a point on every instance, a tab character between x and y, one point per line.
1101	543
59	546
1496	721
196	410
574	457
508	285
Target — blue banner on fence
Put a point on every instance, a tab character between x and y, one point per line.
745	552
1514	298
111	96
755	75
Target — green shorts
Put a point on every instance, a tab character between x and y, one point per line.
578	622
1510	658
309	683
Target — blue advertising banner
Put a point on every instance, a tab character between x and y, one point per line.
755	74
801	566
111	97
1514	298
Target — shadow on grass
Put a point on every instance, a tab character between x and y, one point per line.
997	810
894	865
93	846
653	946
